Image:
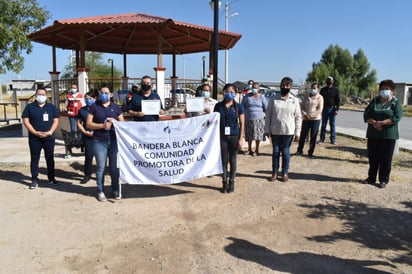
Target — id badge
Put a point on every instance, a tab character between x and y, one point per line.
227	130
45	117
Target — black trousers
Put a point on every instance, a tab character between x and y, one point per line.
36	145
380	153
229	148
88	155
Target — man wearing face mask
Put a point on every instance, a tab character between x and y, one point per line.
87	134
41	120
283	120
331	104
146	93
74	102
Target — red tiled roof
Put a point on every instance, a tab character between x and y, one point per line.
132	33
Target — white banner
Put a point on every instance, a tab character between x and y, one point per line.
169	152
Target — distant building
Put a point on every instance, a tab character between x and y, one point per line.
403	91
26	87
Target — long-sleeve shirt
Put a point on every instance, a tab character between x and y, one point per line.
312	107
379	112
331	98
283	116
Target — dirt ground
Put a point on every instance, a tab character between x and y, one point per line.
324	220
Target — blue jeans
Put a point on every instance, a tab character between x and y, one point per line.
328	114
313	126
281	144
102	151
73	124
36	145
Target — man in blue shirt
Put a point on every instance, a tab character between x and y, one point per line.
146	93
41	120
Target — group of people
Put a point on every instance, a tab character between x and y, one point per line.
283	118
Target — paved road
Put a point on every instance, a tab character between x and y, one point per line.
351	123
354	119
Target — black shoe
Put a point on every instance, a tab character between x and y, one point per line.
85	179
382	185
369	182
311	155
54	183
299	153
231	187
34	184
224	187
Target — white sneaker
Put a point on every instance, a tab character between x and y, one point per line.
117	195
101	197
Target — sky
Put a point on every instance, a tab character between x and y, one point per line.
279	38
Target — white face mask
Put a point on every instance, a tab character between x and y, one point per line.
73	90
385	93
41	99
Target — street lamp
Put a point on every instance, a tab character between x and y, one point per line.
215	44
204	68
226	50
110	60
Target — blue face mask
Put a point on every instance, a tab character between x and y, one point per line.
313	91
104	97
254	91
229	96
385	93
205	93
89	102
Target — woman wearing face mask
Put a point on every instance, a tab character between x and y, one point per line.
255	106
87	135
283	120
232	120
209	103
99	120
312	107
41	120
382	115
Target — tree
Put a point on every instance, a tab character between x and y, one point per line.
99	68
17	19
352	74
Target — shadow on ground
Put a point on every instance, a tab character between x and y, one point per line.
369	226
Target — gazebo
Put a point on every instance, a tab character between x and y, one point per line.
132	33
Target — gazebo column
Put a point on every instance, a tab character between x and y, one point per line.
83	80
125	83
160	83
54	78
174	81
125	78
